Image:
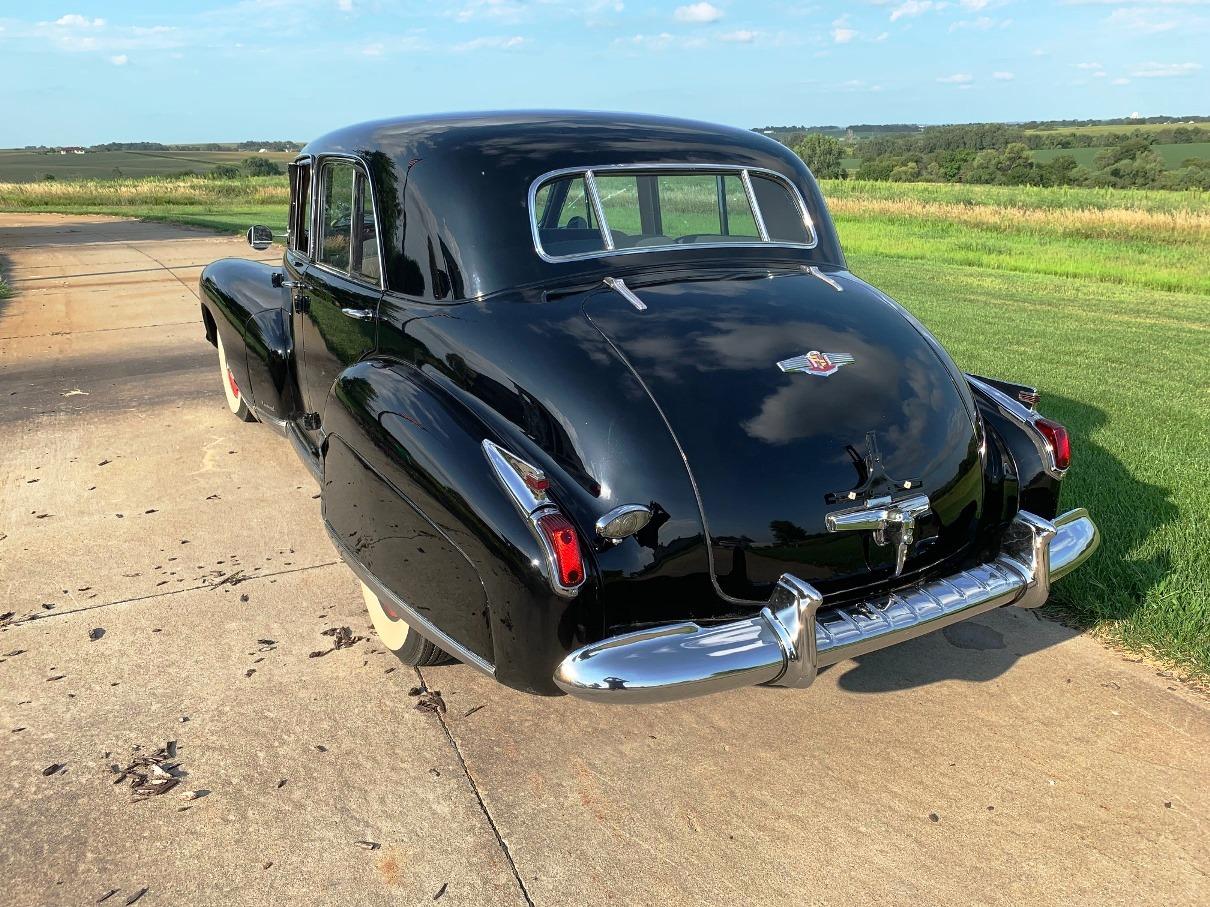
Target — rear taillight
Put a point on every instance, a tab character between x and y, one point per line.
564	546
1060	443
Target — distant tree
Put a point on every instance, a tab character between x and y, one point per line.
906	173
48	176
823	154
1194	174
1131	164
117	173
1062	171
259	166
225	172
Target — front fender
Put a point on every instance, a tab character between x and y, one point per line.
241	305
424	455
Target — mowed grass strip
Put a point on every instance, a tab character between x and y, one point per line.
1111	322
1158	240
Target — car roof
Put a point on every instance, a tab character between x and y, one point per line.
452	190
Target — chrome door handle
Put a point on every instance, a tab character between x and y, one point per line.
359	314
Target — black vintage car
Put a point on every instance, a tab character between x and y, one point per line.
596	407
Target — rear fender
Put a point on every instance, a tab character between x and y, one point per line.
1008	417
423	452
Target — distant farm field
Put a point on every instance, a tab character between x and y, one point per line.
1173	155
1115	128
1100	297
29	166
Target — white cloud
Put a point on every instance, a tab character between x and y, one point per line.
345	6
373	50
958	78
983	23
500	10
698	12
75	20
119	60
1087	65
1120	82
1003	76
843	35
495	42
913	8
740	36
1165	70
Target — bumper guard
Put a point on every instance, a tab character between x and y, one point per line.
790	639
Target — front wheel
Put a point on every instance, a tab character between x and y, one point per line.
409	646
235	400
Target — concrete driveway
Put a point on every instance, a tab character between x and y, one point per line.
169	579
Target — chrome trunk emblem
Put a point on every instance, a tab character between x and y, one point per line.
815	363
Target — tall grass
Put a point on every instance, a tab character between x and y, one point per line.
145	192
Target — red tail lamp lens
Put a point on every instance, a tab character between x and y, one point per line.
1060	443
566	547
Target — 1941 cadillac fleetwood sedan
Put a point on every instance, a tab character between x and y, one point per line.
597	408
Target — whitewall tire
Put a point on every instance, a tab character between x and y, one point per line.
235	399
409	646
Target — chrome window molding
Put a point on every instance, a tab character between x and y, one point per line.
308	161
1023	416
589	174
316	190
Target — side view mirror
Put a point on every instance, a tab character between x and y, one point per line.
259	237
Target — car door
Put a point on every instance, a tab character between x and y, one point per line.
337	323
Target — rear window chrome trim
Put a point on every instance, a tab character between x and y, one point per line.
745	174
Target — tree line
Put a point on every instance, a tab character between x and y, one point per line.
994	154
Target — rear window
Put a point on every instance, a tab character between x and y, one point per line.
630	209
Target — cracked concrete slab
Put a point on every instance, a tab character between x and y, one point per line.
1008	761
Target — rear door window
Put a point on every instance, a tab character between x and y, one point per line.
336	214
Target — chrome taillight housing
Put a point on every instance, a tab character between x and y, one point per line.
528	488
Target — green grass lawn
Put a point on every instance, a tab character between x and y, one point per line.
1099	297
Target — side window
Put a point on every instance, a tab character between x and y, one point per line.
365	242
780	212
300	208
336	214
564	217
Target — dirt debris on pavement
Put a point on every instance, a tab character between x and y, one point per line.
430	701
342	638
150	774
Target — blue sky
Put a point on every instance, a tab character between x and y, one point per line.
85	71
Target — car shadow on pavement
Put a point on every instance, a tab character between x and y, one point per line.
1111	585
63	232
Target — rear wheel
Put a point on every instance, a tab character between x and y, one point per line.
235	400
409	646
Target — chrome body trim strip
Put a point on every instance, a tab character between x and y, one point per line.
814	271
617	283
761	229
744	173
1025	417
794	636
598	210
411	616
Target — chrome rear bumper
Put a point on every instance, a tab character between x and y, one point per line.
790	640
